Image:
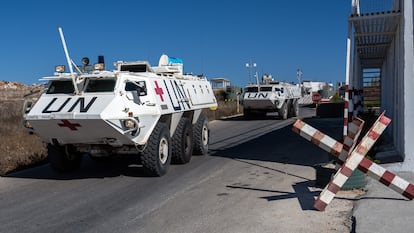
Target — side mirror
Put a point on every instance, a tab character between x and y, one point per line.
141	91
27	106
141	88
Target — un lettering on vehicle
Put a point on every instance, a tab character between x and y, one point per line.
54	106
177	95
257	95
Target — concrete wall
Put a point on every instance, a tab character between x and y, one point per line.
408	85
398	88
392	81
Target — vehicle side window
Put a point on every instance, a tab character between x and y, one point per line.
139	87
130	86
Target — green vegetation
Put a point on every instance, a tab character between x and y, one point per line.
373	103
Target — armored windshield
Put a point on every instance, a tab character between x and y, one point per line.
61	87
265	88
100	85
251	89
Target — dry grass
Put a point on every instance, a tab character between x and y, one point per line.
18	148
225	108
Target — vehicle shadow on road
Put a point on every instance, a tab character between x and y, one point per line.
113	167
268	117
284	146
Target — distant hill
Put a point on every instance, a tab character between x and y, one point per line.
11	91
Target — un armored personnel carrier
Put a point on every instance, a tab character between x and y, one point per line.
271	96
136	109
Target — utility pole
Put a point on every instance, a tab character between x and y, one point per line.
250	66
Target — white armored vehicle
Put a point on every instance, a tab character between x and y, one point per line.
271	96
152	112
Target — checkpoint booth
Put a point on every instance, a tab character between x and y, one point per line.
380	72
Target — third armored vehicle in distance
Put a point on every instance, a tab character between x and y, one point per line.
271	96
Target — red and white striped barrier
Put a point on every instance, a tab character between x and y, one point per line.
329	192
350	140
346	110
370	168
329	144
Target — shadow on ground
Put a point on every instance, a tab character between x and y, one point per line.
285	146
113	167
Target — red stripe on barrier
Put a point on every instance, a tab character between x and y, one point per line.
337	148
364	165
333	187
385	120
317	137
374	135
346	104
296	130
298	126
346	171
387	178
409	192
319	205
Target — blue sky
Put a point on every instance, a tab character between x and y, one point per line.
216	38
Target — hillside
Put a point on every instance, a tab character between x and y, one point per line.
18	148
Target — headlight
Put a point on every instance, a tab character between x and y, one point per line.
27	124
129	124
99	66
60	69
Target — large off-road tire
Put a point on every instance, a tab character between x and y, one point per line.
201	136
182	142
283	111
156	157
247	114
295	108
64	159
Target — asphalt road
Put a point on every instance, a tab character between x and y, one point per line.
247	184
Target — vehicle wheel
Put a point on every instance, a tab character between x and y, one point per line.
295	106
262	114
64	159
283	112
201	136
247	114
182	142
156	156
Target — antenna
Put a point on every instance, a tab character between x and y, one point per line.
70	62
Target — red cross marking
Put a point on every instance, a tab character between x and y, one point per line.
159	91
66	123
